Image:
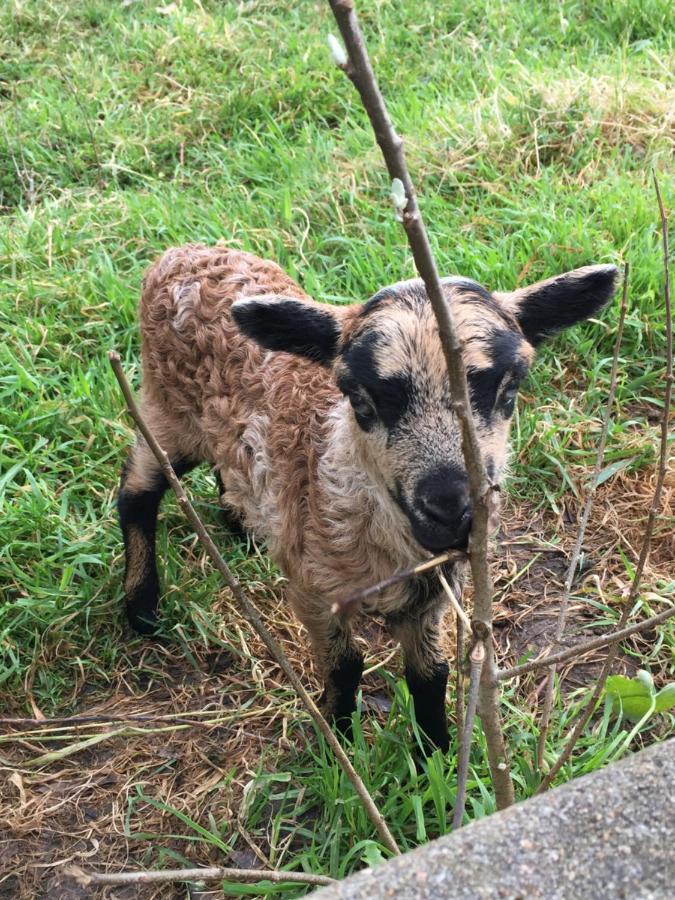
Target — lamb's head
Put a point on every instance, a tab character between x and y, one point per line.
387	361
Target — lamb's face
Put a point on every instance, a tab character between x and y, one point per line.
387	360
393	372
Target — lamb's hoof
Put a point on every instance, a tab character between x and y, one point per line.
439	741
344	727
143	622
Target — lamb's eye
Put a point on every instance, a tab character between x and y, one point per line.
507	399
363	407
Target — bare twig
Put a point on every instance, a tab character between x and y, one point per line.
581	649
358	68
651	518
212	873
477	658
87	123
459	675
347	605
454	602
249	610
583	523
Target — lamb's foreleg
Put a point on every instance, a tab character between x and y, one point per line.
426	670
339	661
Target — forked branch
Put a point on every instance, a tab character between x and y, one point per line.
603	640
358	68
477	657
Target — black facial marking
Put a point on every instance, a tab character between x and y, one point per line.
472	292
562	302
377	300
391	396
428	693
503	347
291	326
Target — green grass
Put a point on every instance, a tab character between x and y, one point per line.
531	131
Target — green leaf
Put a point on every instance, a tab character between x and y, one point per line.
372	855
665	699
632	696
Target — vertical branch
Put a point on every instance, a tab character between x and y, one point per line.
459	676
477	658
249	610
583	523
651	518
359	70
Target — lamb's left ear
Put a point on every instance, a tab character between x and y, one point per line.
286	323
549	306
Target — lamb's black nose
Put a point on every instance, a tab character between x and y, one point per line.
443	509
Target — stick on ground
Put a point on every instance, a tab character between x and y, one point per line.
250	612
212	873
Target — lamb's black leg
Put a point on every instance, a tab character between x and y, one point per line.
141	490
340	662
340	686
428	692
426	671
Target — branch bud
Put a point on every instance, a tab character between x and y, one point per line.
398	194
337	51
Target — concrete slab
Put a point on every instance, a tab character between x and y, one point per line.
610	834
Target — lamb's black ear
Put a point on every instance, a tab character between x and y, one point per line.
549	306
286	323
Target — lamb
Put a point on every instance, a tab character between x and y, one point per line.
333	437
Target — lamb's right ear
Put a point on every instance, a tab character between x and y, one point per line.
286	323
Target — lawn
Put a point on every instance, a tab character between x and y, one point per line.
531	131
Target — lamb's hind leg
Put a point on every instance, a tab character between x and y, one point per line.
141	490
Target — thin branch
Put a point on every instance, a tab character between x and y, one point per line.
249	610
651	518
358	68
477	658
347	605
212	873
454	602
583	523
459	674
554	659
87	123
